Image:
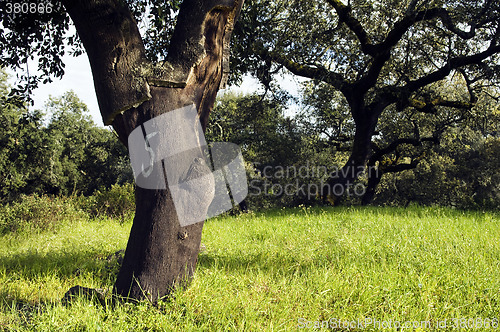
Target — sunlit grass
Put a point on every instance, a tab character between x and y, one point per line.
270	271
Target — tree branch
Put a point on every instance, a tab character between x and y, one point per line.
381	51
187	44
468	83
430	106
114	46
380	152
345	15
402	26
453	63
317	72
122	74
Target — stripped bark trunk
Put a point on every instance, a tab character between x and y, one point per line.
160	254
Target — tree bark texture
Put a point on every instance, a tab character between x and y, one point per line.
366	119
131	90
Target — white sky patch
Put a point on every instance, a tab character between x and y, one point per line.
287	81
248	85
78	77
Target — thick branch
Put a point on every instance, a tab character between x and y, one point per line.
410	19
401	95
452	64
381	51
430	106
468	83
226	53
114	46
345	16
122	74
400	28
317	72
187	43
380	152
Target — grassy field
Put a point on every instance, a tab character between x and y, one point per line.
277	271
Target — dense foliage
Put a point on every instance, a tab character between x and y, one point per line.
59	151
387	78
445	156
457	168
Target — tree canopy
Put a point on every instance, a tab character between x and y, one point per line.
58	151
379	56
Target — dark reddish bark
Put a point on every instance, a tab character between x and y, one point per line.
160	253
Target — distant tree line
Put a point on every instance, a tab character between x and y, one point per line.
61	151
57	151
288	157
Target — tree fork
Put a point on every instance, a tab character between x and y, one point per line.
131	90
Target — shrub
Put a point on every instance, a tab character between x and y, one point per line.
36	212
117	202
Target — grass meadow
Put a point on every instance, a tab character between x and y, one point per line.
281	270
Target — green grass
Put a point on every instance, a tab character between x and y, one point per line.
272	271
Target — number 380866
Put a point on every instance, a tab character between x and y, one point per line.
28	8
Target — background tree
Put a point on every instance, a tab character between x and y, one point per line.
460	171
268	141
91	157
405	138
137	79
377	54
16	126
58	151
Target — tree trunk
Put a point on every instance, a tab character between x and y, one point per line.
130	90
374	177
366	121
160	252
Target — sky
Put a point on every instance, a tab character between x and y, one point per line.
78	77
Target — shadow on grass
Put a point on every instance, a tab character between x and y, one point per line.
26	312
33	265
282	263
